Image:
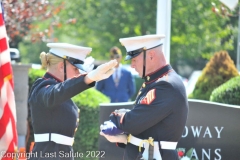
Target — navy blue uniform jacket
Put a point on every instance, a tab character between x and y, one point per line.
160	112
123	92
53	111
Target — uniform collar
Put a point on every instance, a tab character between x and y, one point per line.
157	74
49	75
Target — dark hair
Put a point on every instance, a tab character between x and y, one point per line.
115	51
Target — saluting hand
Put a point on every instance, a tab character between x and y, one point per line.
103	71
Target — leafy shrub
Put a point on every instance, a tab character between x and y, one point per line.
33	75
217	71
86	137
228	92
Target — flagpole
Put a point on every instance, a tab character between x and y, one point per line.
164	24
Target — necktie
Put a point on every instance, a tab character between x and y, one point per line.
116	78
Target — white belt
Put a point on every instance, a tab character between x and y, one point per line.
54	137
145	143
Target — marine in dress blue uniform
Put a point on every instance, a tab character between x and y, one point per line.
157	120
55	117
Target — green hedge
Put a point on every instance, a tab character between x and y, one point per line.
228	92
86	138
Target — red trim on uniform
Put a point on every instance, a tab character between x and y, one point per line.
54	77
157	70
117	144
159	76
79	75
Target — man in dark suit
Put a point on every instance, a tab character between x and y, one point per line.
119	87
154	126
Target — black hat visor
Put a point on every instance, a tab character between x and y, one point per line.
133	54
136	52
76	62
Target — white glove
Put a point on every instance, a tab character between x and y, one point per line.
88	64
103	71
120	138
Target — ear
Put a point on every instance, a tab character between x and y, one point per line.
60	67
152	54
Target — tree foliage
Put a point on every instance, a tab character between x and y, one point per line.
218	70
197	32
197	29
23	18
100	24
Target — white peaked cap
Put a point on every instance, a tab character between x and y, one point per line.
147	41
69	50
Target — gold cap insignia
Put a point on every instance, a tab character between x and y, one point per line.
148	78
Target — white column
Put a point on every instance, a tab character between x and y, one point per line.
238	44
164	24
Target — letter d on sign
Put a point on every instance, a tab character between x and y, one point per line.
185	131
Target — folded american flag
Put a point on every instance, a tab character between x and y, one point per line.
109	128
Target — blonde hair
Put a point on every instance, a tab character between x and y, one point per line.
48	60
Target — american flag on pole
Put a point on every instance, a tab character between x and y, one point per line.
8	130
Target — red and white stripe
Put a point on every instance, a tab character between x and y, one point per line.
149	98
8	130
